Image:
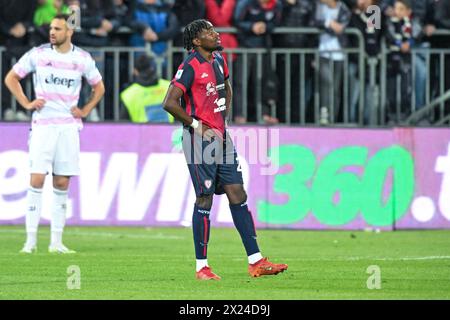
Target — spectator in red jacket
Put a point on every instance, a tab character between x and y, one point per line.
220	13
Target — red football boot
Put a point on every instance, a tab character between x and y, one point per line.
206	273
264	268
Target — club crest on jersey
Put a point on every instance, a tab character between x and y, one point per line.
208	184
211	89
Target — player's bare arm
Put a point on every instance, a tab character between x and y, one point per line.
98	91
172	105
229	98
12	82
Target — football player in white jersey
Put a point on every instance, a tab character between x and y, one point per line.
58	68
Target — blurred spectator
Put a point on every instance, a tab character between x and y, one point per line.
372	42
47	10
403	32
442	14
220	14
333	16
123	17
16	18
96	22
123	14
256	20
43	16
442	18
423	10
186	11
350	3
297	13
162	25
189	10
142	100
387	7
371	34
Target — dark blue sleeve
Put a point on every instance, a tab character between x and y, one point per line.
224	65
184	77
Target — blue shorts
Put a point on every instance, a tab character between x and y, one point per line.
212	164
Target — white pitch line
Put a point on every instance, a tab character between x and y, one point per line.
363	258
397	259
419	258
159	235
127	235
162	236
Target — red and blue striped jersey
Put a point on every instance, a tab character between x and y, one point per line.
203	84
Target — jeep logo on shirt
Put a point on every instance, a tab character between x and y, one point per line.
51	79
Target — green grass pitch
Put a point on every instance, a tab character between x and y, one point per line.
158	264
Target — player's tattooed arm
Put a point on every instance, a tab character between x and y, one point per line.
98	91
12	82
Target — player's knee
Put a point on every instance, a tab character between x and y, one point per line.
37	182
241	197
60	184
244	197
236	194
204	202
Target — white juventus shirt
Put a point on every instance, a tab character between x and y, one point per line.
57	79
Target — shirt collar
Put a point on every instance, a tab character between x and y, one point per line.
201	59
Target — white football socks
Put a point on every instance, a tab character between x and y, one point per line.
58	216
34	203
200	264
253	258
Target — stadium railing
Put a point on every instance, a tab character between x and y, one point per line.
426	110
436	64
287	55
116	64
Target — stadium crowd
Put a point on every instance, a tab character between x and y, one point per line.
405	24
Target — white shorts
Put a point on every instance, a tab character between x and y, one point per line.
55	148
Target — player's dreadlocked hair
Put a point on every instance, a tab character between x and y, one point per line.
192	31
